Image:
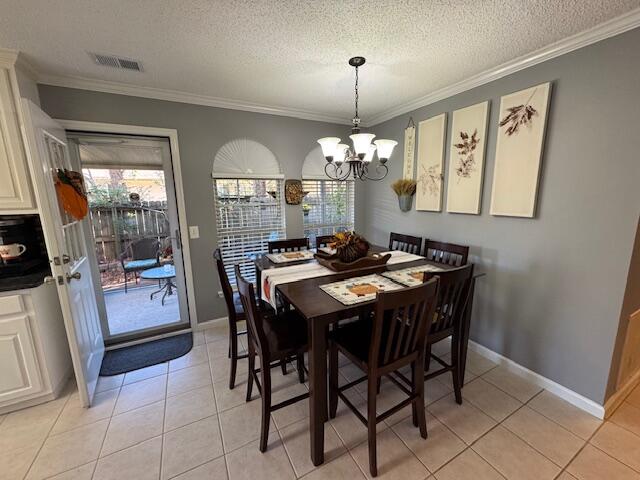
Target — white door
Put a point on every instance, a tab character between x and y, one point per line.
66	244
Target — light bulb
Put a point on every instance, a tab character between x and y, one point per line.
385	148
340	153
328	145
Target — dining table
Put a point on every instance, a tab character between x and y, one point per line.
321	310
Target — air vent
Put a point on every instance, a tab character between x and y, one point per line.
116	62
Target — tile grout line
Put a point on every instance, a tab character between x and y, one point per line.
164	419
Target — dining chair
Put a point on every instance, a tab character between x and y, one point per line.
393	338
324	240
405	243
447	321
273	338
447	253
138	256
288	245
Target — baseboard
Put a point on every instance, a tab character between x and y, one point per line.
211	323
618	397
561	391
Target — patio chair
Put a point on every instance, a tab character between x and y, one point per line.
140	255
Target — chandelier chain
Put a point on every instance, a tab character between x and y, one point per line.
357	95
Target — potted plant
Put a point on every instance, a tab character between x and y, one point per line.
306	208
405	189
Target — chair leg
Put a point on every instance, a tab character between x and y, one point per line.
420	419
427	358
300	367
233	353
333	380
266	403
283	366
125	282
371	425
455	362
414	405
251	360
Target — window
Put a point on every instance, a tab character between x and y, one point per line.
328	207
249	214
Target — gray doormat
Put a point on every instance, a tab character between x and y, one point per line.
126	359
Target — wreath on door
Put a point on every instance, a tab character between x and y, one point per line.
71	193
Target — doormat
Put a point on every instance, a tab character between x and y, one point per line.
126	359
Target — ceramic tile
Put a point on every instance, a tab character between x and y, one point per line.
220	368
619	443
627	416
189	407
294	412
190	446
83	472
67	450
144	373
227	398
219	348
140	462
593	464
572	418
241	425
249	463
478	364
566	476
75	415
189	378
549	438
139	394
634	397
349	428
434	390
440	446
133	427
15	463
216	333
198	339
109	383
195	356
214	470
296	442
490	399
342	468
395	460
513	458
465	420
513	384
468	465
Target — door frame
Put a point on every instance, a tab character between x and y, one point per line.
172	135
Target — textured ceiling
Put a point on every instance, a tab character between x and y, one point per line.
293	54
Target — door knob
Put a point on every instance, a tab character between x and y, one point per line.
75	275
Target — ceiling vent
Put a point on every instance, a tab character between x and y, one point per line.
116	62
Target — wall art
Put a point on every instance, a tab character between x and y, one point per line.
409	150
431	138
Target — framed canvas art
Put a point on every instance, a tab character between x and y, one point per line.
429	179
521	132
466	159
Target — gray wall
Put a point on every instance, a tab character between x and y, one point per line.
552	298
201	132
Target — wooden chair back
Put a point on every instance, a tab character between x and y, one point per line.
401	322
227	290
453	296
255	324
289	245
447	253
405	243
324	240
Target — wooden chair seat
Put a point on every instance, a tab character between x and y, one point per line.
286	334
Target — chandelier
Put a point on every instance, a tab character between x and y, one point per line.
344	162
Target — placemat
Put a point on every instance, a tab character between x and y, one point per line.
411	276
285	257
359	289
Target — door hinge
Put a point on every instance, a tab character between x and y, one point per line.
60	280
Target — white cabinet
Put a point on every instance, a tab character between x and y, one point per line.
16	195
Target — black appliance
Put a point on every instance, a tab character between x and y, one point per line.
25	230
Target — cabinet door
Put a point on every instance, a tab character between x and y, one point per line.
19	372
15	185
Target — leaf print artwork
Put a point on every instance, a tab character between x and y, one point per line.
429	180
520	115
466	162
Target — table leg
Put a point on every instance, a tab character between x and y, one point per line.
318	388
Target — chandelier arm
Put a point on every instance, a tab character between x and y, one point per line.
365	173
337	172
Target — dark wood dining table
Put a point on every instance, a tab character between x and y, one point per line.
321	310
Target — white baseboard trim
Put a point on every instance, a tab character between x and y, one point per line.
618	397
561	391
211	323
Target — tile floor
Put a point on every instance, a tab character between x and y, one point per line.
179	420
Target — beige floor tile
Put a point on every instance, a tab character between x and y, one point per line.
351	430
512	383
139	394
133	427
513	458
75	415
190	446
390	396
220	368
549	438
214	470
219	348
144	373
67	450
109	383
566	476
447	378
490	399
227	398
249	463
442	348
83	472
395	460
438	448
140	462
468	465
189	407
198	339
627	416
593	464
572	418
478	364
241	425
216	333
195	356
189	378
465	420
296	442
434	390
619	443
342	468
15	463
292	413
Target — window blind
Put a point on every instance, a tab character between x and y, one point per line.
249	214
328	207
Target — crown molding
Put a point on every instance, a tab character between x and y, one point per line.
183	97
602	31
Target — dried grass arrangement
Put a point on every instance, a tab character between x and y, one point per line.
404	187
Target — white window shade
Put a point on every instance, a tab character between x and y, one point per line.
328	207
244	158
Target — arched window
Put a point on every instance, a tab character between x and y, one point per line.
329	206
247	185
